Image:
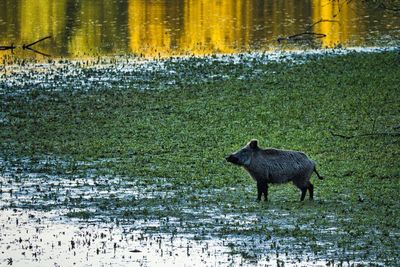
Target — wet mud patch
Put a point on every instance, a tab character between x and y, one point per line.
54	219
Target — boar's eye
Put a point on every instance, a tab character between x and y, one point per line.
253	144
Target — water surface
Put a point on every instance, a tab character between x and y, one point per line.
186	27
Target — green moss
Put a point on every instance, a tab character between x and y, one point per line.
184	133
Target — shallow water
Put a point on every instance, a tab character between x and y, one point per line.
47	239
50	219
170	28
37	238
19	76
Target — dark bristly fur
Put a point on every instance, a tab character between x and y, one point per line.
275	166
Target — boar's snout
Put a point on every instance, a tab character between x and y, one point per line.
232	159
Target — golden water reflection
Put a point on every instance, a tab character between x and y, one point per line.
182	27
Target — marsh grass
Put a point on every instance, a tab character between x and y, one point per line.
183	134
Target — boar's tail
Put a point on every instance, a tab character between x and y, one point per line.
319	176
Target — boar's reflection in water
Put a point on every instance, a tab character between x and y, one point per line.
274	166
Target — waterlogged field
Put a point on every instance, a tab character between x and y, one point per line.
121	161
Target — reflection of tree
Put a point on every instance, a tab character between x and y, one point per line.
148	27
41	18
9	16
333	24
335	17
78	27
101	27
71	23
389	5
184	26
203	27
28	47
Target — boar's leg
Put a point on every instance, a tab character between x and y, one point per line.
265	192
259	191
304	189
311	190
303	193
262	188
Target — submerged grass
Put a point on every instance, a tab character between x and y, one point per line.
343	111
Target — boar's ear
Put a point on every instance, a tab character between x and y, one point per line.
253	144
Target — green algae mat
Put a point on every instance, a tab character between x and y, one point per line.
143	144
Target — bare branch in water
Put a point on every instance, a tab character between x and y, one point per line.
24	46
308	34
302	36
36	51
8	47
320	21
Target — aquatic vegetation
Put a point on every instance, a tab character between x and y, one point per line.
144	149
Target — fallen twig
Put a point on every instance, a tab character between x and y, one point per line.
340	135
363	135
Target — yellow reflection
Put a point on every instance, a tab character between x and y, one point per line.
41	18
204	27
170	27
35	20
226	26
215	26
97	29
337	16
148	32
78	28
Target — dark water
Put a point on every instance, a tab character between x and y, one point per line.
185	27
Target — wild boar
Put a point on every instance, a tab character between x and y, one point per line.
275	166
